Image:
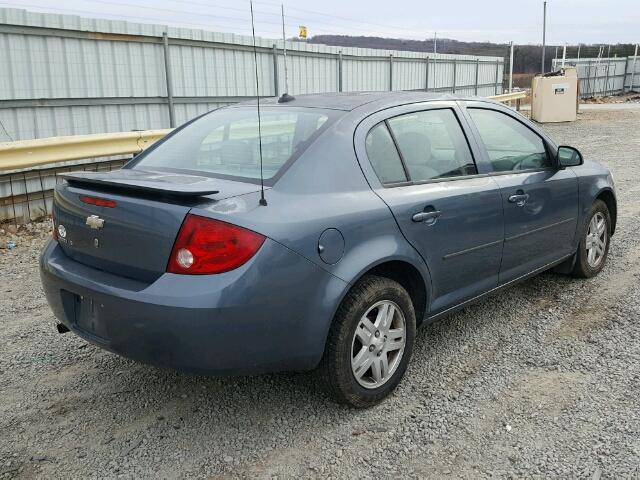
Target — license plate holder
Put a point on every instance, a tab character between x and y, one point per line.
89	316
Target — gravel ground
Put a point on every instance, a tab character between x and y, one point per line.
540	380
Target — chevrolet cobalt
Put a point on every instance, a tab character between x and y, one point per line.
323	241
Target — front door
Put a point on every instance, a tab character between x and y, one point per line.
540	201
449	213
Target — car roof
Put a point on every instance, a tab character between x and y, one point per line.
352	100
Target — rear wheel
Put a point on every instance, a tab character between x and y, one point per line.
370	342
594	245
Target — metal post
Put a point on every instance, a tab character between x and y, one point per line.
434	76
426	77
276	91
340	71
167	73
633	69
626	72
390	73
608	69
589	72
475	92
606	83
564	54
497	73
284	50
544	35
511	69
455	72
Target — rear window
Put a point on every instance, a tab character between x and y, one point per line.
225	142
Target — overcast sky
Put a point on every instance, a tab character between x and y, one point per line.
568	21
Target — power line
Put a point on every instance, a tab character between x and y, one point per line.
147	18
199	14
229	18
332	17
127	17
223	7
324	26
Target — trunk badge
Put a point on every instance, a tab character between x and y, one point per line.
96	243
95	222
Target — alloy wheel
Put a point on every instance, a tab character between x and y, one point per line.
378	344
596	241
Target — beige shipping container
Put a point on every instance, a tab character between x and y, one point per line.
555	98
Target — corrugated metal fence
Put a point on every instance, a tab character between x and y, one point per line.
605	76
68	75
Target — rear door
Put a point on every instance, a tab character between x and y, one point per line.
540	201
419	161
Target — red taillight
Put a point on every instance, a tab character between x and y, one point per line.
205	246
100	202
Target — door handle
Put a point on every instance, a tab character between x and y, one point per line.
519	198
427	217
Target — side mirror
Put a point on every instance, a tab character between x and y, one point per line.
569	157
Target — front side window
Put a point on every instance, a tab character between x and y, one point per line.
510	144
225	143
432	145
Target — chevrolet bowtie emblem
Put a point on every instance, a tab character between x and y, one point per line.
95	222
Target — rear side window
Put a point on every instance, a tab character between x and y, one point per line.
225	143
383	155
510	144
432	145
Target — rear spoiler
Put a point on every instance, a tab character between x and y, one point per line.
166	183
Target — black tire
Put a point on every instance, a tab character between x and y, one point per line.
582	268
335	367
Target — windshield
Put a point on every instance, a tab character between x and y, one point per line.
224	143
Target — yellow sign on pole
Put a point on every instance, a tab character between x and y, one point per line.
302	31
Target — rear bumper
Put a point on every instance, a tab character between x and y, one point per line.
271	314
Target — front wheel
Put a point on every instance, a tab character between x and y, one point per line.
370	342
594	245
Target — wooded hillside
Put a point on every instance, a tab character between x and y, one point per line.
526	57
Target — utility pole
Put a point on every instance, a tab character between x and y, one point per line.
511	68
435	40
564	54
544	34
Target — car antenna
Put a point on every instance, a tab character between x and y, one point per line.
263	201
285	97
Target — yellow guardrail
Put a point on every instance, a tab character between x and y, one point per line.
25	154
33	153
508	97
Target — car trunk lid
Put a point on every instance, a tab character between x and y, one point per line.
133	235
